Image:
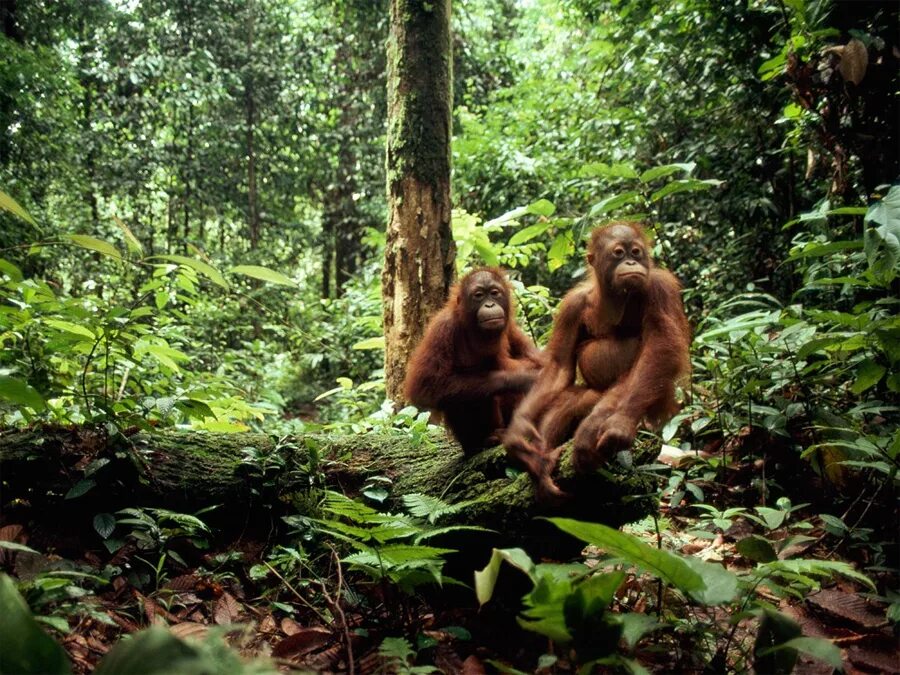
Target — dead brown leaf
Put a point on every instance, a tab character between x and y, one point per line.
290	627
189	629
227	609
473	666
183	583
847	607
303	642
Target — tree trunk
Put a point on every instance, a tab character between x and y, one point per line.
189	471
250	114
419	253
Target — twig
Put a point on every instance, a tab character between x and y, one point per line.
124	382
296	593
336	610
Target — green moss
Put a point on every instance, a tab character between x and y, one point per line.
419	92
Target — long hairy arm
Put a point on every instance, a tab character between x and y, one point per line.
434	378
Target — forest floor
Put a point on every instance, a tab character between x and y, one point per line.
320	620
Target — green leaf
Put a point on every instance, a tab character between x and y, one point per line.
612	203
542	207
195	408
775	630
370	343
635	626
667	170
886	211
432	508
818	344
529	233
486	250
104	524
10	270
757	549
868	375
15	546
156	651
818	648
132	242
69	327
94	244
560	250
21	393
203	268
81	487
705	582
7	203
720	585
620	170
26	648
263	274
57	622
167	355
814	250
774	518
486	579
684	185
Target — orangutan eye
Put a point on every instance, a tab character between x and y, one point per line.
636	252
619	252
478	295
495	292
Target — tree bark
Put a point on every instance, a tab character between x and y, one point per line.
419	253
253	220
189	471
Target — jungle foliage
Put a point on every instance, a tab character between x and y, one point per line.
192	227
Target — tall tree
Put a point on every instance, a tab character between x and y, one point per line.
419	252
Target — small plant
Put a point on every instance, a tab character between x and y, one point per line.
570	604
154	529
389	546
397	653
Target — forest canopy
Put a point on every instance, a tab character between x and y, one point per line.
199	204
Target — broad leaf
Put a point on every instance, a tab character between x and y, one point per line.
561	249
541	207
104	524
7	203
26	647
486	579
132	242
73	328
94	244
263	274
612	203
684	185
156	651
667	170
370	343
21	393
529	233
81	487
203	268
756	549
867	376
705	582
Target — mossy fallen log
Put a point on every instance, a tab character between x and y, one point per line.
66	472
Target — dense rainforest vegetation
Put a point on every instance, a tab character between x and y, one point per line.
207	301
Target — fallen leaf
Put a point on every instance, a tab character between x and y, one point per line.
473	666
189	629
290	627
302	642
227	609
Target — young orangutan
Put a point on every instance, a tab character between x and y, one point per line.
624	331
474	363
